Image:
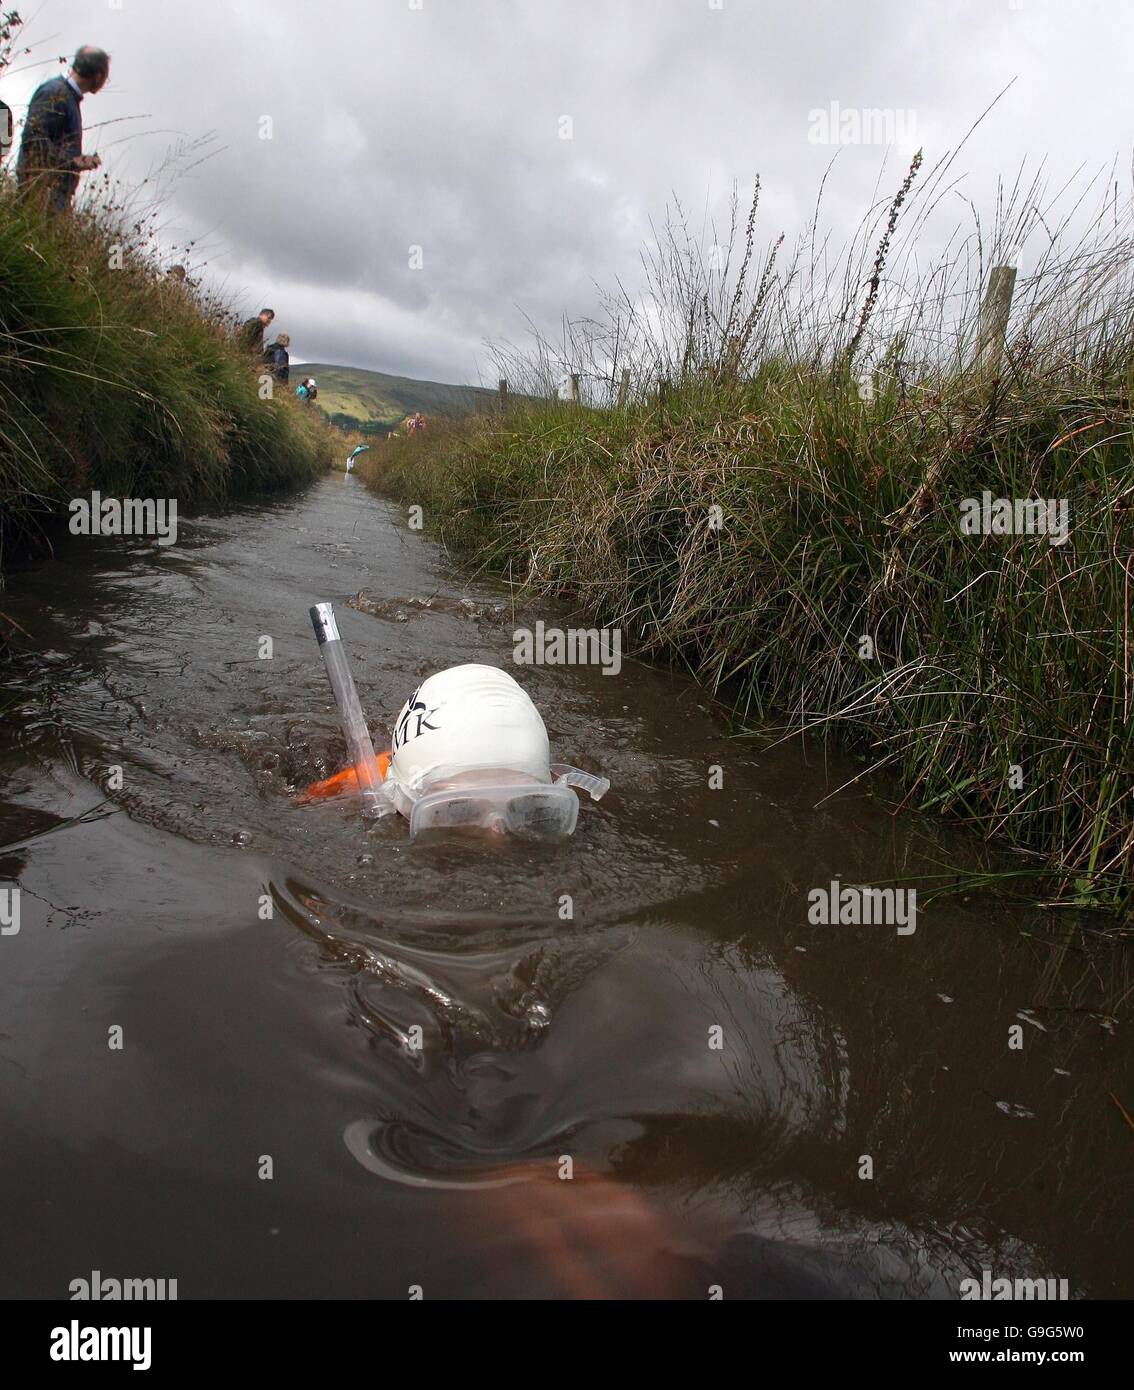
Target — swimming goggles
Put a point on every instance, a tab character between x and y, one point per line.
527	810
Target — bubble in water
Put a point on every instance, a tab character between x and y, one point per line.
1018	1112
1025	1016
242	837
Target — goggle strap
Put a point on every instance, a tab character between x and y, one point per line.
568	776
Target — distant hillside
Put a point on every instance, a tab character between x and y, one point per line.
374	401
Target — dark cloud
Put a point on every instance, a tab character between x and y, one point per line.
438	127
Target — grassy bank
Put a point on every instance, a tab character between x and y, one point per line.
839	522
117	376
778	505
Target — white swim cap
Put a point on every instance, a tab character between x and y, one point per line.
465	719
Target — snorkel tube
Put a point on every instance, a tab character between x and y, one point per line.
353	721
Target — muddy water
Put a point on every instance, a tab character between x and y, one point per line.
714	1068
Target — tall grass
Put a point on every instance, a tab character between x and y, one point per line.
833	412
118	376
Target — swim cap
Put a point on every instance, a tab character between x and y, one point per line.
465	719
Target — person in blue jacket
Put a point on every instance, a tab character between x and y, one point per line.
277	357
51	151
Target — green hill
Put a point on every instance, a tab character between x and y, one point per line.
374	401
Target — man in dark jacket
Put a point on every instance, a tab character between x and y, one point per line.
252	331
51	152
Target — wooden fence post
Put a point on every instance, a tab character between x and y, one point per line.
624	387
994	315
573	387
502	387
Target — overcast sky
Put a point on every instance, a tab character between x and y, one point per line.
438	124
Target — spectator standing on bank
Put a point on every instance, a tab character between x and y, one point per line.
252	330
51	152
276	356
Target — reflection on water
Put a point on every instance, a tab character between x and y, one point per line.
674	1082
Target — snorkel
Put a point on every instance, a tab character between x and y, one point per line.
351	717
